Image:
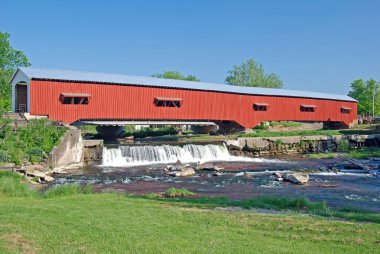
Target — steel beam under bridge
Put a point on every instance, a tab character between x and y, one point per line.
122	123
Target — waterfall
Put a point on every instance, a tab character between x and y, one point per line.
148	154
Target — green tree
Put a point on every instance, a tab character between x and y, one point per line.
175	75
10	59
251	73
363	92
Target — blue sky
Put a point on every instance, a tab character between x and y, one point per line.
312	45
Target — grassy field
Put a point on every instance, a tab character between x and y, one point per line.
363	153
285	124
290	133
111	223
321	155
74	220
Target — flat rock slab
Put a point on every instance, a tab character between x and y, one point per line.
298	178
207	166
48	179
183	172
35	173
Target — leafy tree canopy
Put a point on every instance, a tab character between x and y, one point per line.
363	92
10	59
251	73
175	75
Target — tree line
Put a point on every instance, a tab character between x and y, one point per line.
250	73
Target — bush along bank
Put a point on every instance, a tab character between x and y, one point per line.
150	132
30	144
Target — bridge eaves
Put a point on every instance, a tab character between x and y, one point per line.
97	77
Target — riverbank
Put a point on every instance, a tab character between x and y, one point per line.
237	177
68	219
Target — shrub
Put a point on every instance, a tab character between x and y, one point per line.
88	129
343	145
32	142
151	132
262	126
16	156
130	128
41	133
5	127
4	156
35	154
11	185
68	189
35	151
279	142
173	192
187	132
36	179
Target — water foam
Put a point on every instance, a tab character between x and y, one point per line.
145	155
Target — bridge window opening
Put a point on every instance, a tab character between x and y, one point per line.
260	106
308	108
345	110
168	102
75	99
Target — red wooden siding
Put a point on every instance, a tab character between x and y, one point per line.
110	101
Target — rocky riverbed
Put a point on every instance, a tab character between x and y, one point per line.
328	180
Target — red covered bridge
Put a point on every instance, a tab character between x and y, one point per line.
72	96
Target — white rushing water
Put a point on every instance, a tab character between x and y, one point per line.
144	155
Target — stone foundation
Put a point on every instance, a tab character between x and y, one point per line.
69	151
256	146
93	152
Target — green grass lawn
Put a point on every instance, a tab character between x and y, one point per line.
112	223
72	219
321	155
363	153
285	124
290	133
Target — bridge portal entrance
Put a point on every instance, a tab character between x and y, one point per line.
21	97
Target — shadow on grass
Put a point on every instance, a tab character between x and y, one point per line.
360	132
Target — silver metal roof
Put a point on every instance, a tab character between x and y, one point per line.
98	77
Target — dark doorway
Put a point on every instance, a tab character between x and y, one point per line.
21	97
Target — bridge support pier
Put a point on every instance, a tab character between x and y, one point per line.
229	127
335	125
197	129
109	131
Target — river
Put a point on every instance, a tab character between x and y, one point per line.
140	169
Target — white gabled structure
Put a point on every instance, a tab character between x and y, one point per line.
20	78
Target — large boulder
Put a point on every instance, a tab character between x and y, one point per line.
35	173
298	178
183	172
207	166
176	167
48	179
